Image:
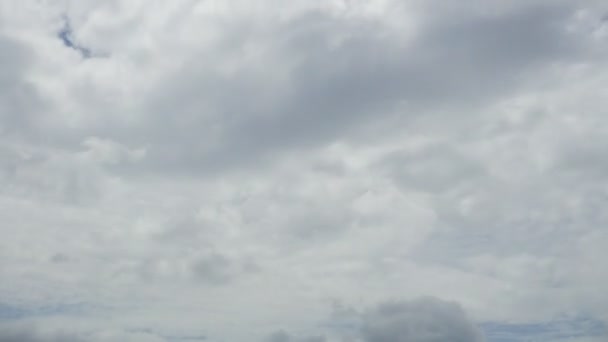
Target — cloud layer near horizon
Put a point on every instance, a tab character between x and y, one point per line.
170	171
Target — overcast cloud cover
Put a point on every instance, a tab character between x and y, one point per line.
303	171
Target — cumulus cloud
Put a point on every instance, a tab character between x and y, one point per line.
426	319
334	75
423	320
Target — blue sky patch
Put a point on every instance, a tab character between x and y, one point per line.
66	34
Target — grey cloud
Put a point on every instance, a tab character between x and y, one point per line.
332	91
201	121
18	98
27	166
210	269
422	320
214	269
31	333
282	336
432	169
15	56
425	319
306	223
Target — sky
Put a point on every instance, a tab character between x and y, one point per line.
303	171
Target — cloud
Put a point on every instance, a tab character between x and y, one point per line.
24	336
336	75
560	329
230	168
32	333
282	336
423	320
